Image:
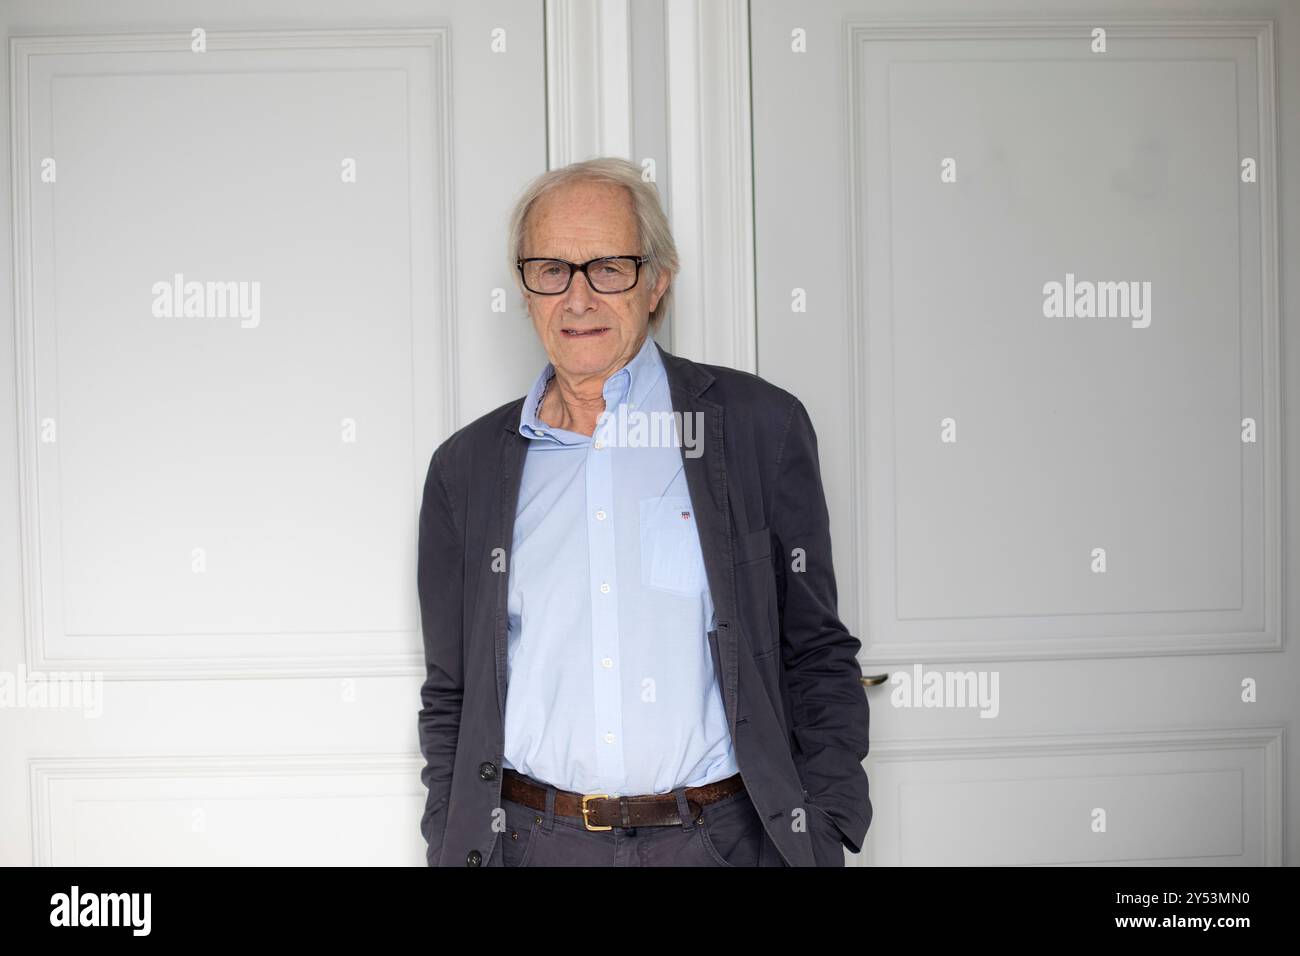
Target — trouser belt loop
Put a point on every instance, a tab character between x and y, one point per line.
683	808
548	821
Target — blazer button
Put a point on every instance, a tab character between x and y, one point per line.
474	858
487	771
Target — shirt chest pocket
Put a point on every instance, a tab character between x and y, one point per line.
671	559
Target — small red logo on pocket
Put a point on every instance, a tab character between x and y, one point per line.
685	515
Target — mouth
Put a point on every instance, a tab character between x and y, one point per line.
584	333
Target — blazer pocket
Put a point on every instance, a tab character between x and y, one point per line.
671	557
828	844
753	546
756	590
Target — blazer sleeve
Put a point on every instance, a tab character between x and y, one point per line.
829	708
440	577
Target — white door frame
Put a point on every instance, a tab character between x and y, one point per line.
710	200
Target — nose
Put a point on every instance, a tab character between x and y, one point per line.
579	298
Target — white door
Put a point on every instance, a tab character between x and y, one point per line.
1024	270
258	275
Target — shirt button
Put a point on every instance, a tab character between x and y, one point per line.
609	738
604	589
599	444
607	662
600	516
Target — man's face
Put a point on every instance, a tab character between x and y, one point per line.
589	334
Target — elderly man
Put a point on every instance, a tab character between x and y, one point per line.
633	648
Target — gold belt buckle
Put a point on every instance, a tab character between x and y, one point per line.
586	810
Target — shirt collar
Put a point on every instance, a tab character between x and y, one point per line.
630	384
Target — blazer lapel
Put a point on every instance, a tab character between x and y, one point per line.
706	478
514	447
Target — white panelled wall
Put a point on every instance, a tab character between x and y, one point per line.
1060	532
215	512
210	501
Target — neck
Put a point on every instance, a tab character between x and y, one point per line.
572	405
575	404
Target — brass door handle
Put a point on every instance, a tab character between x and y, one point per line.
871	680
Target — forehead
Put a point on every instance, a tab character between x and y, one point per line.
582	219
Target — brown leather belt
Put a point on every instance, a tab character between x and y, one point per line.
600	811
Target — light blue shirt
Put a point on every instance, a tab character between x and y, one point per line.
610	680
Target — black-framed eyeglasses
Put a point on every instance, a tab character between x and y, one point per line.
607	275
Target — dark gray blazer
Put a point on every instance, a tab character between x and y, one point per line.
787	666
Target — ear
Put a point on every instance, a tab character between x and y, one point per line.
660	287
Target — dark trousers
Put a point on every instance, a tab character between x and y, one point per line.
727	832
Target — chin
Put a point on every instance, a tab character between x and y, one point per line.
587	364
